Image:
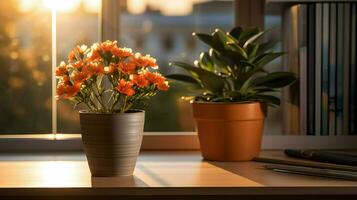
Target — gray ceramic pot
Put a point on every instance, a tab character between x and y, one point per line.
112	141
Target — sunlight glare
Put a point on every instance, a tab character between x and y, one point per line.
58	173
92	6
136	6
27	5
62	5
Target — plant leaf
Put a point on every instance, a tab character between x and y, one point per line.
275	80
248	33
222	37
239	50
183	78
253	38
252	51
210	41
266	46
209	80
236	31
269	99
267	58
206	62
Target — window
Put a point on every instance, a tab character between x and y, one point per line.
25	72
164	30
26	35
75	26
148	26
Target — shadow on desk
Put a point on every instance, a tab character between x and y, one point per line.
124	181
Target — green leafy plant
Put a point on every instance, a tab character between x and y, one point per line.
233	68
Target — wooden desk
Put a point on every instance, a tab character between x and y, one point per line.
158	175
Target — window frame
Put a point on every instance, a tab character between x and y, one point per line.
109	23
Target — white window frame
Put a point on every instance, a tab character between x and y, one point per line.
166	140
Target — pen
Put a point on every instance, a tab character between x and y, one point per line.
339	174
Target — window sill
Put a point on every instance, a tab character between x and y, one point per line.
169	141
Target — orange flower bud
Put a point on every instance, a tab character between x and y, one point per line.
81	76
125	88
163	86
127	68
94	69
113	68
154	78
140	80
144	61
67	91
62	69
122	52
108	45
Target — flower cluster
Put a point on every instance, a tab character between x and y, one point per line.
131	77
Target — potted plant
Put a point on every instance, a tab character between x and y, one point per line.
109	81
234	89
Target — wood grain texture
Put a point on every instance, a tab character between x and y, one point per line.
162	173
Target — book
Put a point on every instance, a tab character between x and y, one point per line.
325	68
318	67
332	70
311	69
346	68
280	158
353	73
339	67
290	105
323	156
302	28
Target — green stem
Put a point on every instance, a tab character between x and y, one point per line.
97	96
124	105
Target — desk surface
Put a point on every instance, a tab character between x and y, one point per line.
164	172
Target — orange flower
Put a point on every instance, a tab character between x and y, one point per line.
144	61
80	50
163	86
108	45
93	55
81	76
94	69
71	56
154	78
125	88
61	90
140	80
65	79
113	68
127	68
122	52
67	90
61	69
78	65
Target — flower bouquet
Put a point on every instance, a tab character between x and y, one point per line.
109	81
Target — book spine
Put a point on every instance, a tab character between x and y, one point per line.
346	68
318	68
353	75
311	69
325	61
302	27
339	68
332	70
291	63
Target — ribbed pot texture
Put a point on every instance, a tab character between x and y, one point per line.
112	141
229	131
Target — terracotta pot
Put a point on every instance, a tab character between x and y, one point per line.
112	141
229	131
